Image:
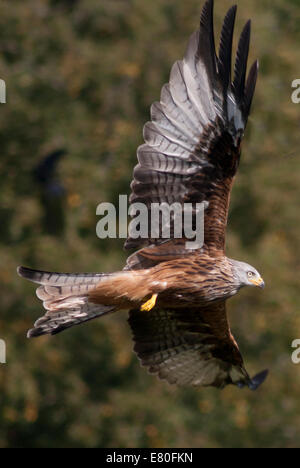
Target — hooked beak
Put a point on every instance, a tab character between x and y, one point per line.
258	282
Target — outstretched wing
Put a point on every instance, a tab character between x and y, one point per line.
192	145
190	347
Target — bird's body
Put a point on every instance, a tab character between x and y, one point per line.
177	295
193	281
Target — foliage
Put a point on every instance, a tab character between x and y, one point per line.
81	76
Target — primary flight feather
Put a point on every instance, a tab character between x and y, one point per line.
177	296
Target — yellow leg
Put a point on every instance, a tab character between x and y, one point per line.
149	304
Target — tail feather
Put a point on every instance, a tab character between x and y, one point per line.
58	279
65	297
53	323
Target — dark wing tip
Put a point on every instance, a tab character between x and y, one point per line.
206	18
207	10
225	47
255	382
250	88
231	12
246	32
241	62
258	379
206	45
248	24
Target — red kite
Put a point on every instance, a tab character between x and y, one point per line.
177	296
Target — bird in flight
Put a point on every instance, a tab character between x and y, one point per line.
176	296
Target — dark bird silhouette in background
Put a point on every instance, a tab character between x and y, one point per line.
52	192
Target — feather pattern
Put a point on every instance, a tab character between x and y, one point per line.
225	50
238	84
185	347
65	297
192	144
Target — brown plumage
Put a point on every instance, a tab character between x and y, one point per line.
177	296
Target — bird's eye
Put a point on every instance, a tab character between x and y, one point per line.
250	274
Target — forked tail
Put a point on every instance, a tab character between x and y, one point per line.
65	298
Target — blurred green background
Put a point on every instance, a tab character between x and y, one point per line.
81	76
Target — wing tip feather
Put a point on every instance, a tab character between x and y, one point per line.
258	379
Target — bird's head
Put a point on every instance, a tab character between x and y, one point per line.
247	275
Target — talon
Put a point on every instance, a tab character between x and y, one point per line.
150	304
